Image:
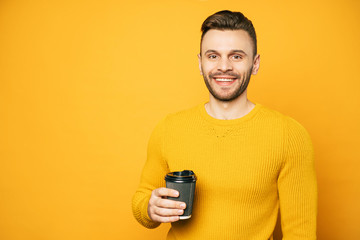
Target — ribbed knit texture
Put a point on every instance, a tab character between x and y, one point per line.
246	168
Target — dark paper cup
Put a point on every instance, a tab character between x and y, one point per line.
184	182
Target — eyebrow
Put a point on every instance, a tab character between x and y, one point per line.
233	51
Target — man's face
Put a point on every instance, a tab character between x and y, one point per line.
227	62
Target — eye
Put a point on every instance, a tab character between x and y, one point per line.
236	57
212	56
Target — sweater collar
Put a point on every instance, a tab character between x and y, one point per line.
223	122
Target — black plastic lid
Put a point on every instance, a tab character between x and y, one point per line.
185	176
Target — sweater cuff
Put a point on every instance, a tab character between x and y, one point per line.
141	213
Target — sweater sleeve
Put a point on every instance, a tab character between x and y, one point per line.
152	177
297	185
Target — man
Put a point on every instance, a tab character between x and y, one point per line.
249	160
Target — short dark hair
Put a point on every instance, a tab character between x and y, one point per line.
228	20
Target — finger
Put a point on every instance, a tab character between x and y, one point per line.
166	219
166	203
166	192
168	212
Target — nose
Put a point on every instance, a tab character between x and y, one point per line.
224	65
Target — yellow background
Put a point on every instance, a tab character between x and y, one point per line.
83	83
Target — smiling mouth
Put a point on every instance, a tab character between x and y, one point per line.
224	81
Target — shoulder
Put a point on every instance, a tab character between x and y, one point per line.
178	119
182	117
287	121
291	128
268	113
295	134
296	139
183	114
271	119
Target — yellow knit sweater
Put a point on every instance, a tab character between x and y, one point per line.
247	168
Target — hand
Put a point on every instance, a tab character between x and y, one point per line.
164	210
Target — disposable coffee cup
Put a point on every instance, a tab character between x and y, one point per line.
184	182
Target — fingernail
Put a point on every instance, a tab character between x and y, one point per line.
180	211
182	205
176	193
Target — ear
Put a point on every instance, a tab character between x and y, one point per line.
199	58
256	65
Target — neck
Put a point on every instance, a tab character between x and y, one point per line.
234	109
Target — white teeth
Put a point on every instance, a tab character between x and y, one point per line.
224	79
